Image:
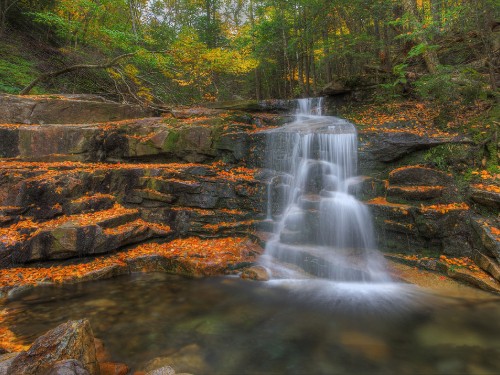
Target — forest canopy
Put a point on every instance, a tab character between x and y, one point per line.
205	50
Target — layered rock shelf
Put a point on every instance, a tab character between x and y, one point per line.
421	211
83	177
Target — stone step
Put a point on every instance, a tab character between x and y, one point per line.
91	203
414	193
310	201
486	195
9	215
419	176
340	265
75	235
150	140
366	188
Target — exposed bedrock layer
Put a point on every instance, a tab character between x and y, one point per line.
74	184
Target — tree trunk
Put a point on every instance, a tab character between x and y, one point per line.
430	56
5	7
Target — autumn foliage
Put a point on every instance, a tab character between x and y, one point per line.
201	257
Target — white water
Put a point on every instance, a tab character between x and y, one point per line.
320	228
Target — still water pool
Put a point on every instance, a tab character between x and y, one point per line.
230	326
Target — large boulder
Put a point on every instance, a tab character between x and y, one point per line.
70	340
391	146
419	176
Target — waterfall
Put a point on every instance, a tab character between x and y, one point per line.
320	229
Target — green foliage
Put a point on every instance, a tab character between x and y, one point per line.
447	156
268	48
15	70
451	85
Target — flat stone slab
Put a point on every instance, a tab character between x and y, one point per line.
461	269
65	109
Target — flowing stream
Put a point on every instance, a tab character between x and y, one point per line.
320	228
228	326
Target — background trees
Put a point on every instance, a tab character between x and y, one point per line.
222	49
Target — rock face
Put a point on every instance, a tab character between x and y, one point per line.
419	209
151	139
392	146
65	109
85	189
91	177
71	340
417	183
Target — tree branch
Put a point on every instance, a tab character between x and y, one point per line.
105	65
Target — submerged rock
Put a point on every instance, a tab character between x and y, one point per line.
165	370
113	368
71	340
187	359
257	273
68	367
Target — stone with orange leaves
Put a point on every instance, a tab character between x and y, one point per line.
70	340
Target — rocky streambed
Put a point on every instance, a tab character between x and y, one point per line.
91	189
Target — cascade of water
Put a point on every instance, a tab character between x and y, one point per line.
320	228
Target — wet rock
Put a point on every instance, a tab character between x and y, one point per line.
367	188
105	273
257	273
10	140
71	340
432	223
153	195
68	367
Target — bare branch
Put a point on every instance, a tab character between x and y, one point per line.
105	65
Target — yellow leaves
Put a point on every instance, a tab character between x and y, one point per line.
444	208
8	339
217	254
195	64
92	197
382	201
492	188
12	234
113	73
414	116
